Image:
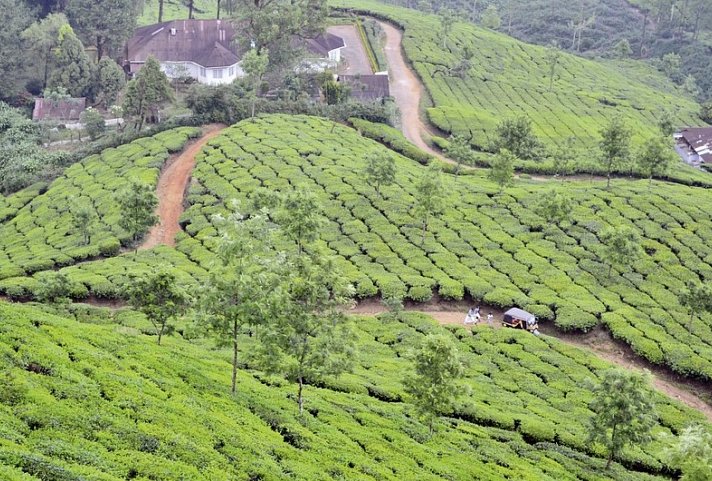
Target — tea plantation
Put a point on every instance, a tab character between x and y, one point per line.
493	248
509	78
38	231
100	401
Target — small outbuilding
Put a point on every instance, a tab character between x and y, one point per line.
367	88
694	144
65	110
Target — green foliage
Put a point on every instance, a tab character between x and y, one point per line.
23	160
42	37
491	18
112	402
656	157
435	385
670	66
254	63
159	298
624	412
108	24
137	202
554	206
693	453
53	288
73	70
516	135
84	219
110	81
696	297
622	246
614	146
147	91
622	49
508	78
459	150
93	123
502	169
428	198
12	53
380	170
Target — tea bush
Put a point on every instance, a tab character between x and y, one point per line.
105	402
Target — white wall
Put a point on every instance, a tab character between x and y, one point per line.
201	74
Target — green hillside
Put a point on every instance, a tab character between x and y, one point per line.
100	401
489	247
509	78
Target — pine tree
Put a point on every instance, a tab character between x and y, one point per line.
147	91
73	70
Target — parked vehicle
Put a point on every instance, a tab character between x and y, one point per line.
520	319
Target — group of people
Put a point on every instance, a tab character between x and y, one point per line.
474	316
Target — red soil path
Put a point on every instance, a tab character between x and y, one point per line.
171	188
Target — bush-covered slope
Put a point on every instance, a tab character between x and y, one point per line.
510	78
101	402
494	248
37	231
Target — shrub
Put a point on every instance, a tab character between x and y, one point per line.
574	319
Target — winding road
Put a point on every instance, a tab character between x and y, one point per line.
406	88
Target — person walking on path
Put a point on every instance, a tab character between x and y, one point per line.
490	319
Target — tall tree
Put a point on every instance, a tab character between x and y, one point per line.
459	150
436	381
517	136
84	218
656	157
623	411
428	198
622	246
12	55
490	18
73	71
447	18
254	63
693	453
696	297
137	203
243	291
160	298
42	37
110	81
147	91
380	170
300	216
107	24
271	23
614	146
554	206
311	338
502	169
553	57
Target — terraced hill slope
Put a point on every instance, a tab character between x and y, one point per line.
100	401
486	246
508	78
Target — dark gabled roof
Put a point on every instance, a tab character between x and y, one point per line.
205	42
367	87
69	109
700	140
324	43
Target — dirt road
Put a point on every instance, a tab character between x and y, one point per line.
171	188
406	89
598	342
354	59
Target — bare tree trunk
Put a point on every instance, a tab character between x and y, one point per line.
218	15
234	357
300	399
642	36
160	11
